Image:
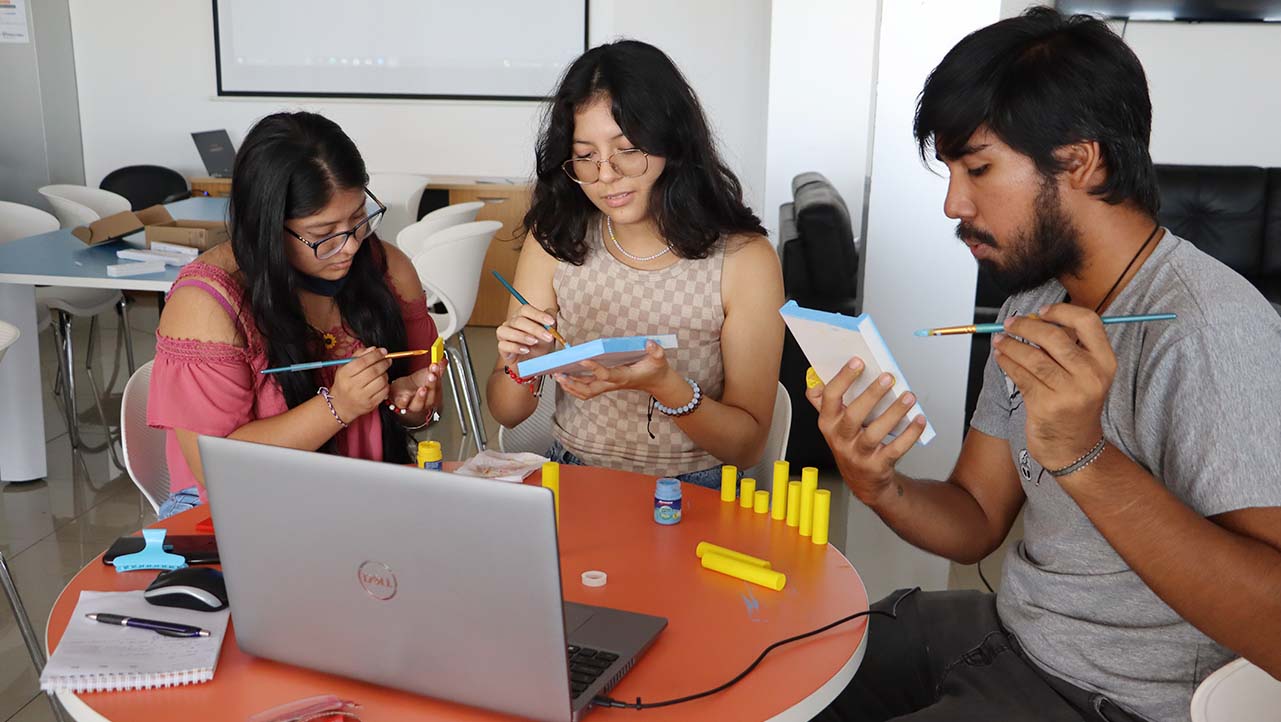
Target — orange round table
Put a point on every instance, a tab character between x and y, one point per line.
717	624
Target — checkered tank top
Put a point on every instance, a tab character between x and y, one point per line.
604	297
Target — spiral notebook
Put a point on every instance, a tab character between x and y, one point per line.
96	657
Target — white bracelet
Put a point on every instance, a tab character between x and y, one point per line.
687	408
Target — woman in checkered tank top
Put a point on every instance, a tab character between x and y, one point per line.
637	227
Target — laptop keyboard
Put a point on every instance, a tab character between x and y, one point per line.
585	665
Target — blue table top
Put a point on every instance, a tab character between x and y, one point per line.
58	258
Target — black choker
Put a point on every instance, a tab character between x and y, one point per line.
321	286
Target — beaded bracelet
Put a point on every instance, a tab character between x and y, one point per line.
1087	459
531	383
685	410
329	401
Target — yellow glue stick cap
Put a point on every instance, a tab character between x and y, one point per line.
811	378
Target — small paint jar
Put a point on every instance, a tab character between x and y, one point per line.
667	501
429	455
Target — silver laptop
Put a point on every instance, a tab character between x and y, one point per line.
443	585
216	152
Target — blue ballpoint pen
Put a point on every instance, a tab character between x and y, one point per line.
168	629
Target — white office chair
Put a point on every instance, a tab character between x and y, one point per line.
144	447
1237	692
8	335
413	238
780	430
534	434
449	266
103	203
19	221
401	193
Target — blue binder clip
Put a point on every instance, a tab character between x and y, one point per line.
152	556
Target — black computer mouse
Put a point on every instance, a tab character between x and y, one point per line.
198	588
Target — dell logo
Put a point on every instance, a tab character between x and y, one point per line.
377	580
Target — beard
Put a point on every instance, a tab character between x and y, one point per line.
1050	249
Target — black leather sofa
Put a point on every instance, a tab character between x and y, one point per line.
820	259
1231	212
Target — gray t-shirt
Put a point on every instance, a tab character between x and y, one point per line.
1196	402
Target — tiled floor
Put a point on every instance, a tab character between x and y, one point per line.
50	529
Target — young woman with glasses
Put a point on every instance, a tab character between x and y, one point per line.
304	278
637	227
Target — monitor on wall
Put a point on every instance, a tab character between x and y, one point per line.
492	50
1186	10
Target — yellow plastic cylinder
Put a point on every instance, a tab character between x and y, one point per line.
761	505
729	482
809	484
756	575
793	503
551	480
746	493
778	494
822	515
705	548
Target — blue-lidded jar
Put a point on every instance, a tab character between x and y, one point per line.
667	501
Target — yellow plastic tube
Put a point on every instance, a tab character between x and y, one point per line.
746	493
809	484
822	515
705	548
551	480
793	503
761	505
778	494
729	480
756	575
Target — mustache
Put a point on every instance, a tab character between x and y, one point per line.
967	232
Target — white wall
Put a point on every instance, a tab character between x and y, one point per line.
820	92
146	80
916	273
1216	92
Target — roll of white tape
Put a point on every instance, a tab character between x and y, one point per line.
594	579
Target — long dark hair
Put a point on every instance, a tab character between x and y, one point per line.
1041	81
696	200
288	167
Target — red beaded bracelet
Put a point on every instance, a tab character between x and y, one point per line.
530	382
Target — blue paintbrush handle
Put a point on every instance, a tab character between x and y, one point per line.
1107	320
309	366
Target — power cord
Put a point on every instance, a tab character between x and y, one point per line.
639	705
979	564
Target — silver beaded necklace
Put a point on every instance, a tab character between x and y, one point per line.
609	224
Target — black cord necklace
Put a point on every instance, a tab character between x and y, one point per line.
1104	300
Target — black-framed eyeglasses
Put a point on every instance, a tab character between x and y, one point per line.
332	245
628	163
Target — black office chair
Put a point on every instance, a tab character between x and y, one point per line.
147	185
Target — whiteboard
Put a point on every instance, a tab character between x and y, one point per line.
481	49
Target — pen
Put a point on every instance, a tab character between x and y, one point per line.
1000	328
168	629
521	299
339	362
